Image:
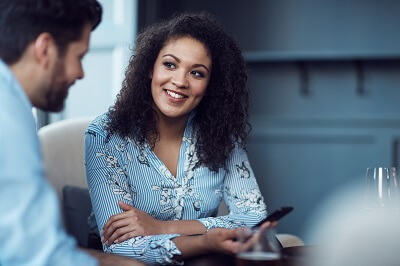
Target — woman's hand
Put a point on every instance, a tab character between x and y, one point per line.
217	240
225	240
222	240
131	223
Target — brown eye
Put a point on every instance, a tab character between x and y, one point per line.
197	74
169	65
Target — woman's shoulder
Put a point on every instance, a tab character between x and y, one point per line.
98	125
239	150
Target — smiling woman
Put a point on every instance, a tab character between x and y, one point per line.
180	77
161	160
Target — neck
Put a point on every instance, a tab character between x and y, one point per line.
171	128
21	74
26	72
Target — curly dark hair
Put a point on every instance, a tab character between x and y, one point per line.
221	118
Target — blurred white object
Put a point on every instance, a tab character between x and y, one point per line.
352	235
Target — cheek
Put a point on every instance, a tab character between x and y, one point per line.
59	74
201	89
154	89
155	83
73	69
159	77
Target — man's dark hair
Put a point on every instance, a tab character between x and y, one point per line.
21	21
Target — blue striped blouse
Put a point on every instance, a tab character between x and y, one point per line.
119	169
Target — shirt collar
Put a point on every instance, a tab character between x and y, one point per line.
189	125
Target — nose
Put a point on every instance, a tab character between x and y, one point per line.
80	73
180	79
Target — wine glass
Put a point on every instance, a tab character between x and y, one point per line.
382	189
258	247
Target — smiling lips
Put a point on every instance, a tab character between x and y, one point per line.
175	95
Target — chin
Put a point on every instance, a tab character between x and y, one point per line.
52	109
54	106
57	109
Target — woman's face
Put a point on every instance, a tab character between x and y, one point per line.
180	77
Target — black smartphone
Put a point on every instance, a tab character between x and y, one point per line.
276	215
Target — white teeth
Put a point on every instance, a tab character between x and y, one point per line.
174	95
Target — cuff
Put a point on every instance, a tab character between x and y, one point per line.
167	250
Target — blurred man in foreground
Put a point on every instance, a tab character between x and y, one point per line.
42	43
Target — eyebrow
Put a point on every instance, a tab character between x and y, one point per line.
178	60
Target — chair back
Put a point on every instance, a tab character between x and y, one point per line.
63	152
63	155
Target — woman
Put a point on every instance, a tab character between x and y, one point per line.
162	158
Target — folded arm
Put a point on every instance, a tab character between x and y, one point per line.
134	222
108	185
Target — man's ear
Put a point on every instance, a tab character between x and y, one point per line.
45	49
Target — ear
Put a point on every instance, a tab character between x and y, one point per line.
45	49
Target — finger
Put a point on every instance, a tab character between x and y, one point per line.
243	234
117	217
265	225
125	206
119	233
231	247
249	243
127	236
231	234
222	234
235	247
113	227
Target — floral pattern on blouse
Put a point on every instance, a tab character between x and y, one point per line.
118	169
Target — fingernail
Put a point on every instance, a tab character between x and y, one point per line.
101	232
116	241
107	242
102	239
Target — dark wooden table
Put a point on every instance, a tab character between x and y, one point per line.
291	256
211	260
303	255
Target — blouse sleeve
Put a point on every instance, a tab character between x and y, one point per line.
241	193
107	185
